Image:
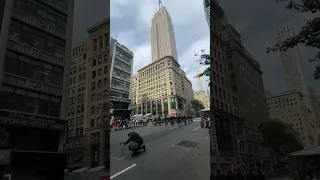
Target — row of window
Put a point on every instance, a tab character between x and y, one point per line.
99	42
218	92
33	69
81	87
119	83
99	109
94	61
30	102
99	84
122	65
99	72
79	120
123	55
119	94
99	96
42	12
121	74
37	39
224	107
220	80
98	121
79	132
82	67
72	100
81	77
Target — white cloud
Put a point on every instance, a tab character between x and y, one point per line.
142	57
188	59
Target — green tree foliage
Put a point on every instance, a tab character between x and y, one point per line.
275	136
197	105
204	59
309	34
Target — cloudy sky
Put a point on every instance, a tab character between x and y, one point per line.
131	23
131	20
257	22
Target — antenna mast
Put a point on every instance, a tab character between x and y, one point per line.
160	4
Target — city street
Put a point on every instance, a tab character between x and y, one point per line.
164	158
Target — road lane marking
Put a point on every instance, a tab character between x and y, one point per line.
113	176
196	128
121	158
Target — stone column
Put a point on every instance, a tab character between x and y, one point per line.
162	106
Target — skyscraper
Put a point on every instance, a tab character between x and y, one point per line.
206	5
89	93
163	42
293	70
35	42
291	63
121	70
162	86
202	95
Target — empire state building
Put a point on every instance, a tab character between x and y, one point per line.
162	36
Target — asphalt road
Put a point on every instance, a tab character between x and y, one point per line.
163	159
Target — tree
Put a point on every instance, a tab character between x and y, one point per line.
309	34
197	105
205	61
275	136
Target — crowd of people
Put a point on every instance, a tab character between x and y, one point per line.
122	124
237	175
173	120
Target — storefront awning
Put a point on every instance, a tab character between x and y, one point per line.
307	152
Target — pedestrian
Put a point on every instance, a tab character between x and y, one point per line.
112	125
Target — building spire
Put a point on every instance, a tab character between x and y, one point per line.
160	4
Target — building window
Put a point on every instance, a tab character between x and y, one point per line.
93	110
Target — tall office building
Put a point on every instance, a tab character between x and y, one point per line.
246	81
290	108
162	86
316	104
121	71
202	95
201	80
293	71
291	62
89	93
133	94
163	42
206	5
224	103
237	99
35	41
